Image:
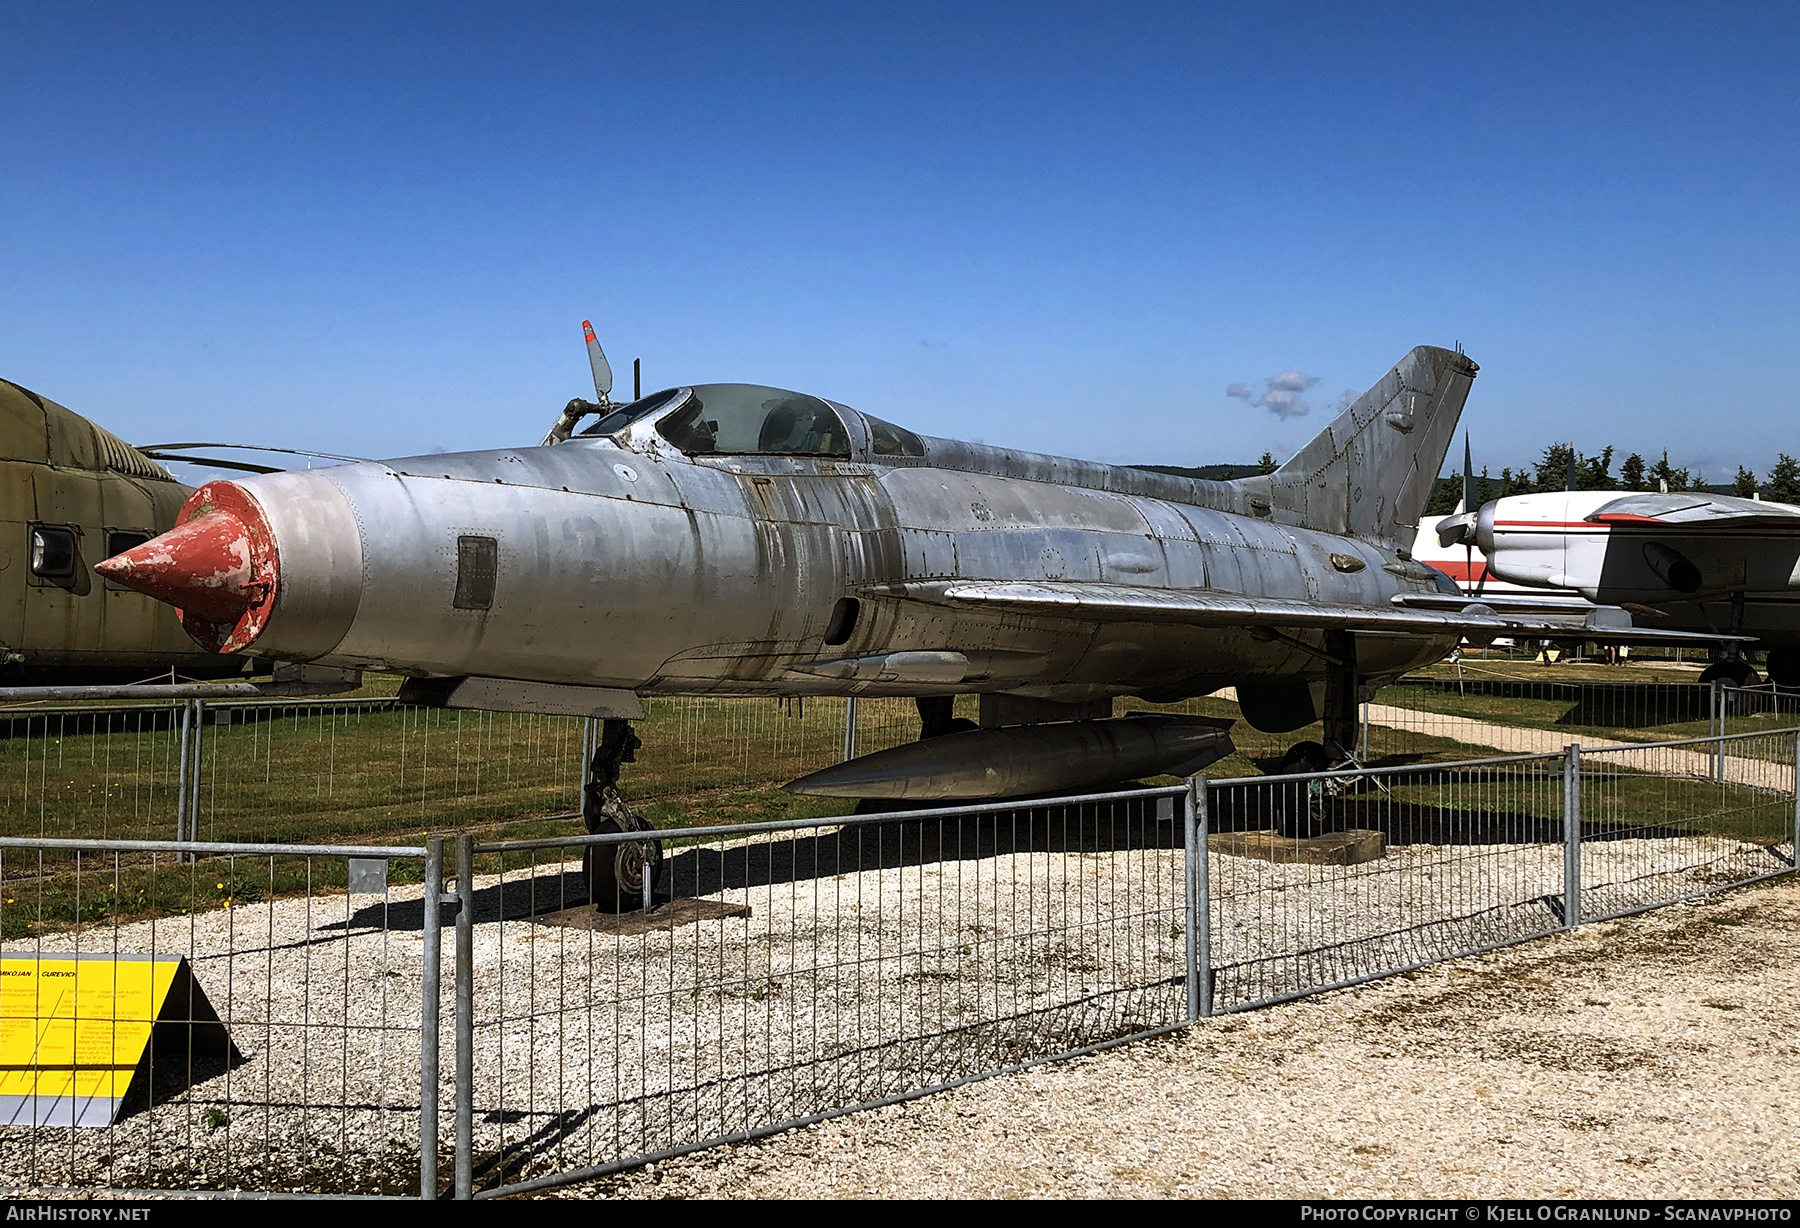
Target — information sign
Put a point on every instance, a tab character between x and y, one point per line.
80	1033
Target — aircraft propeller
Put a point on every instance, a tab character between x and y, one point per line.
1461	526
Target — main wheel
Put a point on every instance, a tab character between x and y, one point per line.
1301	802
1305	757
1783	667
616	872
1732	672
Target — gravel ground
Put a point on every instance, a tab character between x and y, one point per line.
1653	1056
850	986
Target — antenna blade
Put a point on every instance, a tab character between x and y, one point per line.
1468	499
597	360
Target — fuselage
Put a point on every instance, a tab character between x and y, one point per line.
623	561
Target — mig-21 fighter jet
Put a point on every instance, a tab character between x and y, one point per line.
733	539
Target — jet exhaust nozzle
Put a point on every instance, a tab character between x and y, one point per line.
217	567
1672	567
1026	760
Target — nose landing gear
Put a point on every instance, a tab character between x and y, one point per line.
620	877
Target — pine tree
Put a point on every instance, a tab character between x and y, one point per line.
1631	473
1596	472
1445	497
1745	485
1553	470
1784	481
1267	464
1662	471
1514	483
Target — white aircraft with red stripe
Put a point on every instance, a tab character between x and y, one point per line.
1690	561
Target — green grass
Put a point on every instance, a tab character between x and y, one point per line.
348	775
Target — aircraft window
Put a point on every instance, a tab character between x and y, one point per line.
625	415
748	419
119	542
886	439
52	553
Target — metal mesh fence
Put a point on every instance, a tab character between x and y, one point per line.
696	743
104	772
195	1017
804	970
1419	864
787	971
354	769
1665	822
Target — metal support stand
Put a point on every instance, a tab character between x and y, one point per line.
465	1015
428	1018
1198	901
187	779
1571	836
850	729
1340	716
198	734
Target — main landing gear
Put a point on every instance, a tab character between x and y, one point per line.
616	873
1303	807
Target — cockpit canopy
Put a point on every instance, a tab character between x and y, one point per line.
751	420
747	419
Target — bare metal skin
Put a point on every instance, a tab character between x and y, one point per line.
623	561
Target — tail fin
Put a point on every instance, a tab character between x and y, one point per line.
1372	471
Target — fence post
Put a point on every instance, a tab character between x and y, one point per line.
1719	720
198	734
850	728
428	1018
465	1015
1795	860
1571	836
1198	901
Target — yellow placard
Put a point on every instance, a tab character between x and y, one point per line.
75	1031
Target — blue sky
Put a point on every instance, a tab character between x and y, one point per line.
375	228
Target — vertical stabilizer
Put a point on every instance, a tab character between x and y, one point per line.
1372	471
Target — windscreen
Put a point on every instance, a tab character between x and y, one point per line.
622	417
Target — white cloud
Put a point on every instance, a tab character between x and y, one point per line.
1280	394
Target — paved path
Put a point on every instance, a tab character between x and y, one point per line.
1687	761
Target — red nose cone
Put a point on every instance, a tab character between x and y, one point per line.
202	567
217	567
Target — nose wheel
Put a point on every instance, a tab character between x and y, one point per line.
617	874
620	877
